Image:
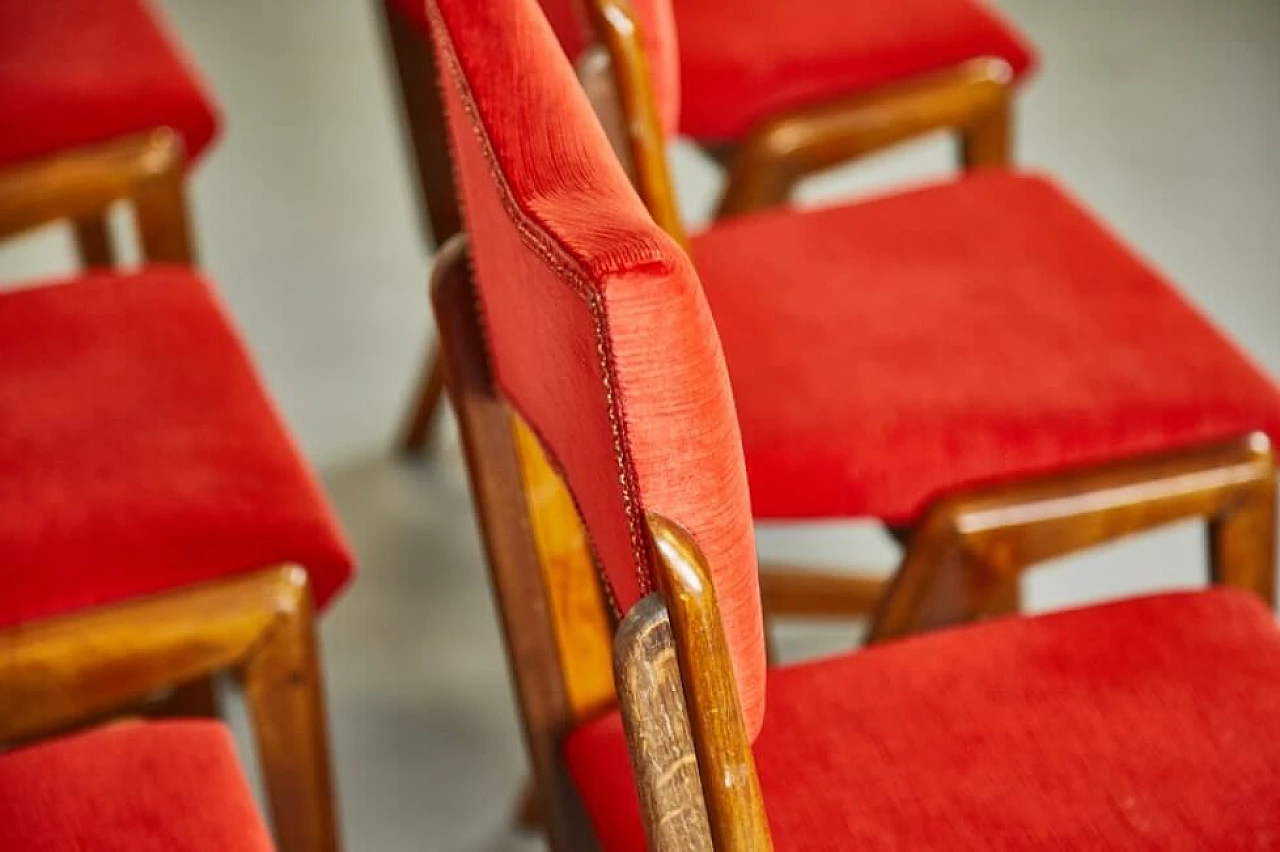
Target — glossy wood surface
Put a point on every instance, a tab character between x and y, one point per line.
731	790
971	546
971	100
497	491
57	672
80	185
583	626
619	31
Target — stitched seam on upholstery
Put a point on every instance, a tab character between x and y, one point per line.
560	261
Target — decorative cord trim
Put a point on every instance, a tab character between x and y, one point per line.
561	262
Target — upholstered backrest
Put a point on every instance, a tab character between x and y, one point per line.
575	22
597	327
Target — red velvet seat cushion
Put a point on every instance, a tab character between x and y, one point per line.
746	61
163	786
1144	725
77	72
884	353
138	451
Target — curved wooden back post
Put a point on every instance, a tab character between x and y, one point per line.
541	574
735	808
619	30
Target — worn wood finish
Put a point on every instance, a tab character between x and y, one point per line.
970	547
92	235
80	185
664	761
285	697
493	467
970	99
726	765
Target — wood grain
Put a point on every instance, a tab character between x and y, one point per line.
971	546
730	788
497	491
664	761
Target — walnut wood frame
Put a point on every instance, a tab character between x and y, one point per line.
961	563
973	100
159	653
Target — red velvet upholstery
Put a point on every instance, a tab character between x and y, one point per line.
574	29
77	72
131	787
965	333
1144	725
138	452
576	285
748	60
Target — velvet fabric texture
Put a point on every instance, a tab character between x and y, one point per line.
78	72
970	332
1144	725
572	23
139	452
130	787
597	328
749	60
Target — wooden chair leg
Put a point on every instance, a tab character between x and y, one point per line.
422	425
1242	543
93	241
529	808
987	141
285	696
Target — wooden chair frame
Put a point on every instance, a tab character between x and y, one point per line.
81	667
668	654
973	100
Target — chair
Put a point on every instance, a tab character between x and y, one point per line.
184	791
919	421
585	357
776	94
75	74
154	511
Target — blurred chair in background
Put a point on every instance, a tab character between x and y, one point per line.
78	73
1133	724
154	507
141	786
774	92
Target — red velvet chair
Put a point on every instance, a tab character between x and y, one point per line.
1034	356
78	73
587	357
130	787
775	92
154	511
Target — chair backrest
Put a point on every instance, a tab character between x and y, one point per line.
578	24
598	332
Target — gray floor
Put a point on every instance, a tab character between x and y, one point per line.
1162	114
